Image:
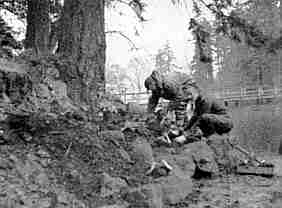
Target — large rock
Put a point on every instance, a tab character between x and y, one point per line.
112	134
175	188
124	155
142	152
111	185
115	136
182	163
147	196
203	157
26	183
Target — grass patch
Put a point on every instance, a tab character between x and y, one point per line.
259	127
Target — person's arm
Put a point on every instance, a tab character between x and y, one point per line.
152	103
190	124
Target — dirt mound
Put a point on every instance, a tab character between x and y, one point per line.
26	180
75	156
89	166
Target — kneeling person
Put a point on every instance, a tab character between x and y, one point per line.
209	117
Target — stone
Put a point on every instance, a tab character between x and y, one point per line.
111	185
142	152
182	163
175	188
203	157
131	126
113	135
125	156
147	196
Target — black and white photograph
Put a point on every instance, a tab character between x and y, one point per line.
140	104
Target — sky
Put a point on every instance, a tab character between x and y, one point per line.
165	23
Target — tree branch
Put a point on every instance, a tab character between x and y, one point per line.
136	6
123	35
255	37
123	2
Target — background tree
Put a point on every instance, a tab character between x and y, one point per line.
138	70
16	7
117	79
82	37
243	65
233	25
38	26
202	66
82	43
164	60
7	41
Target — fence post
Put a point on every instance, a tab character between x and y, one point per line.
276	91
260	95
124	94
241	95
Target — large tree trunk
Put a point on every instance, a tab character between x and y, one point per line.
82	42
30	28
38	26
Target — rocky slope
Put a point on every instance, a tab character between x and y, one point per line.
79	166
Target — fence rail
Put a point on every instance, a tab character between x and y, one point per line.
228	95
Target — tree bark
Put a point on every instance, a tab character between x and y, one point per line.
38	26
82	42
30	28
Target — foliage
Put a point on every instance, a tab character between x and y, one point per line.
164	60
138	70
131	77
202	35
117	79
236	27
17	7
7	41
239	64
202	67
232	24
138	6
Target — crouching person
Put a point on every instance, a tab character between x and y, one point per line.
209	117
173	86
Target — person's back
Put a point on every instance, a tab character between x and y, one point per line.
173	86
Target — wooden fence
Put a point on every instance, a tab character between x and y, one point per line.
227	95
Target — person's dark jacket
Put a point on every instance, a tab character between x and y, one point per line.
173	86
206	105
